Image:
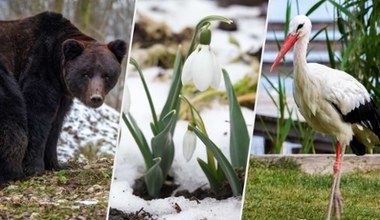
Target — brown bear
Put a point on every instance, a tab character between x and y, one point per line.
45	62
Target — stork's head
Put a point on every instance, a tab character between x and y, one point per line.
299	27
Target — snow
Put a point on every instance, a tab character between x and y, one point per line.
88	202
129	163
88	130
208	208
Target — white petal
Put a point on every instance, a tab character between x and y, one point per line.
126	100
189	143
186	70
217	73
202	69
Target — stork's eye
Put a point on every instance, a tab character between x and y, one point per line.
300	26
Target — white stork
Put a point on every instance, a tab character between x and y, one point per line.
332	102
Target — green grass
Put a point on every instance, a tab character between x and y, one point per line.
279	190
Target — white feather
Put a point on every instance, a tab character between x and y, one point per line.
340	88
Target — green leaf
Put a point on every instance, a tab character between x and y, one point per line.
318	32
222	161
162	143
139	138
172	102
278	44
285	129
153	111
330	51
268	92
154	178
298	7
287	17
347	13
239	137
212	179
315	6
220	175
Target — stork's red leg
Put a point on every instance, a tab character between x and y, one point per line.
338	161
335	196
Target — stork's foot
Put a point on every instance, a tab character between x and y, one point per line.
338	204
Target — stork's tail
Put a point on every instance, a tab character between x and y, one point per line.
357	147
366	115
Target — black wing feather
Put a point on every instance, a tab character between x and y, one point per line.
366	115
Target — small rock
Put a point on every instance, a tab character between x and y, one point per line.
103	160
61	201
33	199
94	188
87	167
34	215
11	187
16	198
75	207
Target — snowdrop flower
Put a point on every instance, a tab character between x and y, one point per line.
202	66
189	143
126	100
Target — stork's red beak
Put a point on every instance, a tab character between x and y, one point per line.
290	40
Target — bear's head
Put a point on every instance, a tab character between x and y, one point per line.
91	69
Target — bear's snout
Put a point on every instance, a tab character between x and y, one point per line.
96	100
95	93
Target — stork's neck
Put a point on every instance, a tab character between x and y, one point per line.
299	60
300	49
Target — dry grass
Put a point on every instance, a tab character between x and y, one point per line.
56	195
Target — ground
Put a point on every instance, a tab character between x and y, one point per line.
78	193
279	190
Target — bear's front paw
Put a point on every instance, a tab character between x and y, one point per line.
34	169
58	166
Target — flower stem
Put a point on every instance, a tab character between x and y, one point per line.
199	123
152	109
203	22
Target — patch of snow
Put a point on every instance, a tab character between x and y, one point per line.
85	127
88	202
165	208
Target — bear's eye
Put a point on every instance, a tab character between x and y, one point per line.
86	76
106	77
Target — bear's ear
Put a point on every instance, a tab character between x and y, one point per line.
72	48
119	48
